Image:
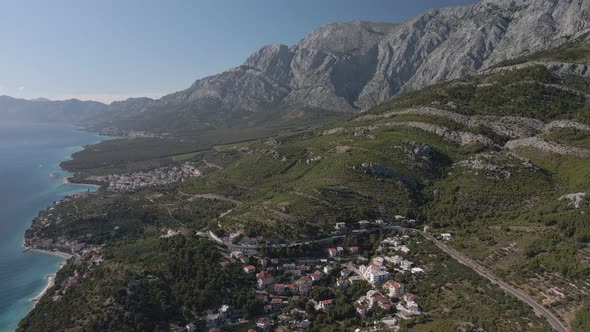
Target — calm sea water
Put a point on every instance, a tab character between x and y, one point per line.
29	153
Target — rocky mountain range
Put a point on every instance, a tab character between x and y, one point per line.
44	110
348	67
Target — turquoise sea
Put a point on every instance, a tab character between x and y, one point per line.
29	153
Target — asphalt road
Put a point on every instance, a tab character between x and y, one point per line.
548	315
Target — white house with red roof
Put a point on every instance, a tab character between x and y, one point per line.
333	252
394	288
325	304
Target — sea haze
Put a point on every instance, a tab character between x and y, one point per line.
29	154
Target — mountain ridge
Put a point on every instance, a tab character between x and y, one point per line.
347	67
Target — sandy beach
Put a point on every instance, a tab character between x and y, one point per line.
50	278
50	252
50	283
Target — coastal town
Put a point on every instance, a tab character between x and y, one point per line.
293	290
139	180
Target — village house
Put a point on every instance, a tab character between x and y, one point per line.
378	261
304	289
353	250
220	318
293	288
316	276
295	272
325	305
333	252
446	236
373	297
342	283
389	322
276	303
361	309
374	274
385	304
406	265
415	270
411	306
262	297
394	242
395	259
250	269
236	254
264	324
394	288
265	282
245	259
280	289
304	324
306	280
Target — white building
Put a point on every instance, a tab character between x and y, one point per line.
377	276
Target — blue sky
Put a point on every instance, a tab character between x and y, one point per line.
113	49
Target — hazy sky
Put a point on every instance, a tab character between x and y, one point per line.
113	49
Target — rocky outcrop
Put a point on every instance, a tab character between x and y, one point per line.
381	170
565	124
458	137
576	199
510	126
547	146
497	166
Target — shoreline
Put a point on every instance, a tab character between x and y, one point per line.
61	254
50	283
66	181
51	278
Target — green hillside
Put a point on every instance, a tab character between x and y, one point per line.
490	158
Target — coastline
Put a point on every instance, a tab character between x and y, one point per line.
50	283
66	181
61	254
66	256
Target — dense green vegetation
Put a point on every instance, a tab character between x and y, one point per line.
582	321
531	92
574	51
504	208
146	285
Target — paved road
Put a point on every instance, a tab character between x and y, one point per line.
549	316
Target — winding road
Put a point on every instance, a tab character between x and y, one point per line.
548	315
